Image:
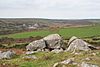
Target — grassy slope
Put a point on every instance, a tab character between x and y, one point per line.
66	32
48	59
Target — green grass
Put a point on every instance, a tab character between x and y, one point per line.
65	32
28	34
80	32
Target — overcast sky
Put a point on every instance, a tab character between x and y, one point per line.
56	9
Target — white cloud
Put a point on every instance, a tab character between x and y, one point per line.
50	8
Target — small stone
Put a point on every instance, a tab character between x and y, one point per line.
65	62
30	52
88	59
56	64
39	50
30	57
88	65
94	54
74	63
69	61
57	50
47	50
77	53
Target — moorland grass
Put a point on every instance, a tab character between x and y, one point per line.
64	32
49	59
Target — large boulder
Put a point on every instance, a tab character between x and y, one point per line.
72	39
78	44
35	45
7	55
53	41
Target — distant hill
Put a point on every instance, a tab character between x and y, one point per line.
41	20
13	25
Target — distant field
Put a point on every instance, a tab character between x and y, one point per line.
64	32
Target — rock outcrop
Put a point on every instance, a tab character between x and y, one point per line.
78	44
35	45
72	39
53	41
7	54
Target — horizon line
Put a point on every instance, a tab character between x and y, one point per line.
46	18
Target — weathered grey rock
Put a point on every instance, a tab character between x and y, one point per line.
88	65
30	52
77	53
65	62
33	52
7	55
33	57
57	50
39	50
47	50
78	44
68	61
72	39
87	59
53	41
35	45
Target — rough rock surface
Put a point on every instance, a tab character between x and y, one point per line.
72	39
71	62
68	61
87	59
88	65
35	45
78	44
57	50
65	62
30	52
53	41
30	57
7	54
